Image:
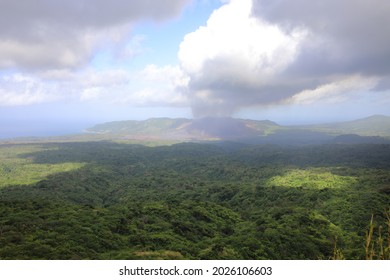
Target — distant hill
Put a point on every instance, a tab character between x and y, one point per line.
187	129
151	127
377	125
375	129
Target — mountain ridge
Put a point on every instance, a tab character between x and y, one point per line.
257	131
376	125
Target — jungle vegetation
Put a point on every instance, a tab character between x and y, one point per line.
107	200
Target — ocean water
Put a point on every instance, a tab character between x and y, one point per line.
15	129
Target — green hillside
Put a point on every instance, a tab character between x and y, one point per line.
370	130
156	126
372	126
185	129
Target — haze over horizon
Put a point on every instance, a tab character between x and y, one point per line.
77	63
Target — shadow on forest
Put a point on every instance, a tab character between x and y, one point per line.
192	201
357	155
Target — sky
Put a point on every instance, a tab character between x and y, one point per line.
66	65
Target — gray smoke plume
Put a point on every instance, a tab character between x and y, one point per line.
261	52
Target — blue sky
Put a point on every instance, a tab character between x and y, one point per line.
76	63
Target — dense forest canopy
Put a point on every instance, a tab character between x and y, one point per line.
226	200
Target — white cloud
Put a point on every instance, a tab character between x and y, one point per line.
157	86
171	74
152	86
234	56
262	53
232	35
47	45
249	53
106	78
20	89
338	91
47	34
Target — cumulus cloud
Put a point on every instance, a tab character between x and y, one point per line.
347	36
265	52
152	86
335	92
149	87
232	61
249	53
63	34
156	86
46	47
21	89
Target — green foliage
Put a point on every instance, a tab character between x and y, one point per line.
15	170
192	201
314	178
377	246
377	125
